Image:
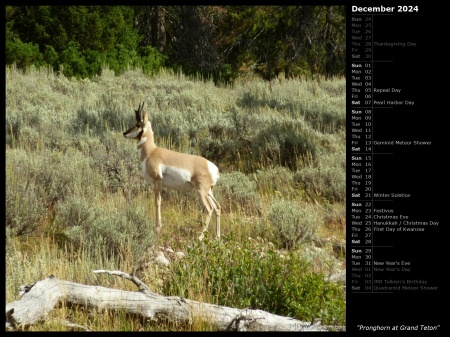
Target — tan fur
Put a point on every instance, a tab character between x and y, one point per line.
197	167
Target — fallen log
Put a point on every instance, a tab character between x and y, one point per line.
40	298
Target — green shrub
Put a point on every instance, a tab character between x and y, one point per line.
234	153
151	60
327	182
22	54
323	115
236	192
51	56
72	61
107	115
248	275
295	224
38	182
60	174
113	232
24	208
29	136
116	160
275	180
281	143
227	141
16	122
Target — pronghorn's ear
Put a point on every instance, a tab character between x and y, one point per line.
145	117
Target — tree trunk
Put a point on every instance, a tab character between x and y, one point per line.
159	28
329	48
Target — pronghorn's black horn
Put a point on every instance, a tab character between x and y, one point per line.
139	111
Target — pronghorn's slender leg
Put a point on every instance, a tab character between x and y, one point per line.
209	209
158	187
216	207
211	205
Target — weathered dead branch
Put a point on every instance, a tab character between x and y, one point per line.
40	298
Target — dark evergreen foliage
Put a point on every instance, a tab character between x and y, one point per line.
219	42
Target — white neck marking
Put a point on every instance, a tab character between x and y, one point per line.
142	141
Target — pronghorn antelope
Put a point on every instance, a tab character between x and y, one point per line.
175	170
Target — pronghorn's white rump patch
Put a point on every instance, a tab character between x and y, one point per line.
175	178
214	171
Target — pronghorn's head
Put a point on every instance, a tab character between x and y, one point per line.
142	124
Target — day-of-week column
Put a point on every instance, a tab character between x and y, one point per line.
361	153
